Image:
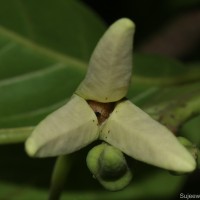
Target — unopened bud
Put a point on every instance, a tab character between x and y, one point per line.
109	167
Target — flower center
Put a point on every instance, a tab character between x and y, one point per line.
101	110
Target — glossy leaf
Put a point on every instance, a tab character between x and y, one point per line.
191	130
44	52
161	71
61	26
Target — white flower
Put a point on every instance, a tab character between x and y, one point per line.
98	110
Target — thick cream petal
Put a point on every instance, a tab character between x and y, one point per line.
110	66
139	136
66	130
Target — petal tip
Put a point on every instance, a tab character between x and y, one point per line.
30	147
125	23
183	162
189	166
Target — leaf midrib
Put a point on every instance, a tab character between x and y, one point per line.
33	113
32	74
57	56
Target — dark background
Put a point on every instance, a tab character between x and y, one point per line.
142	12
150	17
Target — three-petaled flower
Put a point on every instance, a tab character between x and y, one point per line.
99	110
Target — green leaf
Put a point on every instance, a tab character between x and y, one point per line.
159	70
44	49
191	129
143	189
151	72
173	106
58	25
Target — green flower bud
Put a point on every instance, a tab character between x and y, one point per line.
109	167
112	164
184	141
189	146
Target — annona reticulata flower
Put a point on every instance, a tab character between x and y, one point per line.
98	109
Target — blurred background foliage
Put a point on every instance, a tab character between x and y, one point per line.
44	50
